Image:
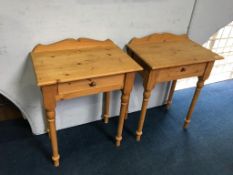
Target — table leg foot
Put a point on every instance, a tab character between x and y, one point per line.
56	160
186	124
168	105
106	119
138	136
118	141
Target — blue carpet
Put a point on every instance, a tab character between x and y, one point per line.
205	148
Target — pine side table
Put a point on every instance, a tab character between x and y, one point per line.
73	68
168	57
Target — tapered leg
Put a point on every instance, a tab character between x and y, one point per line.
128	84
53	137
171	93
200	84
146	97
124	103
149	83
49	93
107	96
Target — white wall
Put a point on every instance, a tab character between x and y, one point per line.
25	23
209	16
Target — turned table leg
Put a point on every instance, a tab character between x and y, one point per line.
200	84
53	137
146	97
148	86
171	93
49	92
128	85
107	96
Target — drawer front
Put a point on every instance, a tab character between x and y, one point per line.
181	72
90	86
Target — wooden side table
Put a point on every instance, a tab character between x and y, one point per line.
73	68
168	57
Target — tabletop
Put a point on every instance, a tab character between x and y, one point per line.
71	60
168	50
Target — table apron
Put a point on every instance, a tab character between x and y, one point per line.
179	72
90	86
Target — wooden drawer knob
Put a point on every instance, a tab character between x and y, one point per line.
92	84
182	69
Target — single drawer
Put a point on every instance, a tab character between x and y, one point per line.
181	72
90	86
